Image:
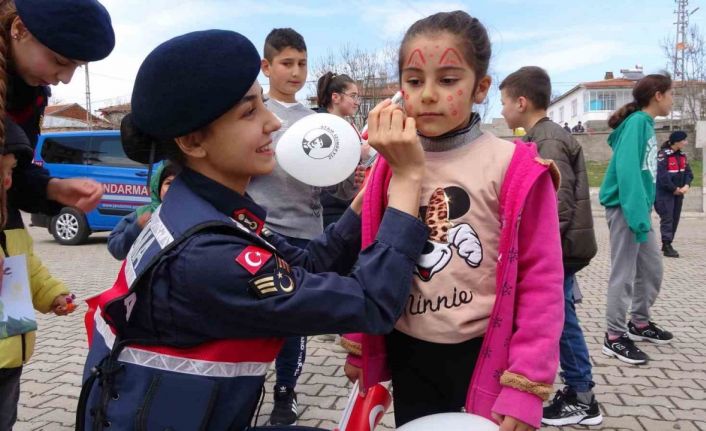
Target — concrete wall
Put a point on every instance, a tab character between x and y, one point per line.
595	145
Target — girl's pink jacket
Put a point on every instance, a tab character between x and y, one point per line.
520	352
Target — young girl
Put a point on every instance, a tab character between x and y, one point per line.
46	293
41	44
125	233
674	178
481	327
186	335
338	95
628	193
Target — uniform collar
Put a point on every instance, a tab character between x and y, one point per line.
229	202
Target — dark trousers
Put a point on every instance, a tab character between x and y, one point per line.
290	360
9	396
429	378
668	206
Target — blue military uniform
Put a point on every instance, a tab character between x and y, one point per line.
185	337
673	172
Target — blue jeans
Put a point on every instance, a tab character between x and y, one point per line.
290	360
573	352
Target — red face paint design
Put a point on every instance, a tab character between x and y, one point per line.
460	92
416	59
450	57
450	98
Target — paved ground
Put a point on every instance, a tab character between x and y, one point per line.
667	394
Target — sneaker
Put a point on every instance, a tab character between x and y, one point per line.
566	409
651	332
668	250
285	410
624	349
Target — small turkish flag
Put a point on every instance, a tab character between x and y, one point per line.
253	258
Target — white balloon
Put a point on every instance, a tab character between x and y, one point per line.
320	150
450	422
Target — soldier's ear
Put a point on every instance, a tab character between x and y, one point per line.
191	144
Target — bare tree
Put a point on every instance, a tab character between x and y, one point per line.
375	73
690	86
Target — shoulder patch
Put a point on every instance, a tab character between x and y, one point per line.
253	258
280	282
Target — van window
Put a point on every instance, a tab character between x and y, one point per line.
108	151
66	150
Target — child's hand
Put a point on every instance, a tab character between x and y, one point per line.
352	372
508	423
394	135
144	218
64	304
359	176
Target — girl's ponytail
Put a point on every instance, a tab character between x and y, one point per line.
8	13
5	7
643	92
621	114
323	96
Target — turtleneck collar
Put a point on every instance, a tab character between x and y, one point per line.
455	139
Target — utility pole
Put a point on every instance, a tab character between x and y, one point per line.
679	60
88	100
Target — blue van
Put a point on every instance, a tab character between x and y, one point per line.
97	155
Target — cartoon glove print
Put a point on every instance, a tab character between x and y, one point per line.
465	239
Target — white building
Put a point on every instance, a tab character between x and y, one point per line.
594	101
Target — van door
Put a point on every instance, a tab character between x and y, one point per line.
124	181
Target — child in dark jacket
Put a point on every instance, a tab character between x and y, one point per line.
674	177
125	233
525	98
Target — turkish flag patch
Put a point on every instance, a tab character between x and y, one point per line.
253	258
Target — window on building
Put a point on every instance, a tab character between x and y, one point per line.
574	108
561	114
551	115
606	100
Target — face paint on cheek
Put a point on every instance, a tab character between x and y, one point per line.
450	98
460	92
450	57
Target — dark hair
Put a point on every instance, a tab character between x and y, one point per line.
470	32
643	92
331	83
280	39
170	169
531	82
8	13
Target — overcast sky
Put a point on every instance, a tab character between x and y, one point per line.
574	41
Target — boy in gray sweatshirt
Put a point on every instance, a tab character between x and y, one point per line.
293	208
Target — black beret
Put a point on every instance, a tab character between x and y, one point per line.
16	142
77	29
677	136
189	81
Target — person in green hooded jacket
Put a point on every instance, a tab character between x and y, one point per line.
126	231
628	193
